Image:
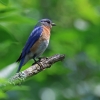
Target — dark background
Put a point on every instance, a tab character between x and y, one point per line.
77	35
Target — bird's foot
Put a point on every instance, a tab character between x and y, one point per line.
40	59
40	64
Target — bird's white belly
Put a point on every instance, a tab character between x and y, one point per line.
42	47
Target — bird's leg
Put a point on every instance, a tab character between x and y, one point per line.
34	61
39	58
38	62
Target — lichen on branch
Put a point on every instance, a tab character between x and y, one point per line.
42	64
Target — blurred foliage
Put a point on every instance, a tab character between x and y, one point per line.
77	35
5	2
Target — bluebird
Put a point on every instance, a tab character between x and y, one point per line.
37	42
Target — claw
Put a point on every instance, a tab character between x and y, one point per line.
41	66
38	62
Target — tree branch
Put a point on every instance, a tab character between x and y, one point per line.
31	71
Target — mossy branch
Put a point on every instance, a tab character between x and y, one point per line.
31	71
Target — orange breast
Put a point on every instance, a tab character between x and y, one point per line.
44	36
46	33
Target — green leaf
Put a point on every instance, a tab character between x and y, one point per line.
4	2
16	19
5	34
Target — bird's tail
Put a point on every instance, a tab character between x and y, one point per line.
20	65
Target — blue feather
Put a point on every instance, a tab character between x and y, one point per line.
34	36
21	64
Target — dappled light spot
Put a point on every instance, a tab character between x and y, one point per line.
48	94
81	24
5	72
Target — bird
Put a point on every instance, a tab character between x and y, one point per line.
37	42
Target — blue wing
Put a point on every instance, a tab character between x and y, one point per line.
34	36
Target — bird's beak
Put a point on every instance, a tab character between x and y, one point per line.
53	24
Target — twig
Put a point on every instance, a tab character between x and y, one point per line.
31	71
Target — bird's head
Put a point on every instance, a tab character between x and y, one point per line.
47	23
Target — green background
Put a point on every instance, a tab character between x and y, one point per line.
77	35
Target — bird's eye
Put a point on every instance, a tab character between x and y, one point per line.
48	22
